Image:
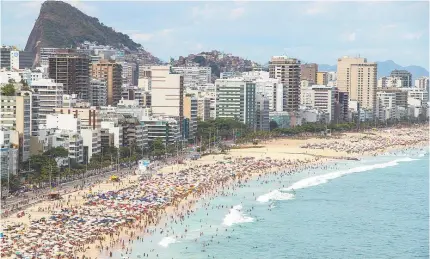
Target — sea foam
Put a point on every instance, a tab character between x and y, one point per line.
275	196
236	216
166	241
320	179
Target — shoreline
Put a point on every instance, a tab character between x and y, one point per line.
236	183
155	217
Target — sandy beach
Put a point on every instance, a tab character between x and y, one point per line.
110	215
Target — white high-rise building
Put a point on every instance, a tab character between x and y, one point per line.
320	97
63	122
418	94
50	97
268	87
389	82
236	99
194	76
423	83
386	106
167	93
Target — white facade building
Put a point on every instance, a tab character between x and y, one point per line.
115	129
423	83
167	92
63	122
144	83
418	94
386	106
91	141
268	87
390	82
320	97
6	75
194	76
50	97
133	108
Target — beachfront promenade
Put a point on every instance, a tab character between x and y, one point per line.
98	218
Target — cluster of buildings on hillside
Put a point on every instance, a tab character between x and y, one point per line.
227	61
91	98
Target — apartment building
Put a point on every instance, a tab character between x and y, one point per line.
309	72
203	108
164	128
111	73
357	77
235	98
190	113
115	129
320	97
322	78
268	87
262	119
341	106
386	106
46	53
194	76
134	132
16	115
13	59
8	154
167	93
405	77
72	71
89	116
50	97
288	71
423	83
98	92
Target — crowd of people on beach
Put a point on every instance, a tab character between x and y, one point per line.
373	142
113	219
70	229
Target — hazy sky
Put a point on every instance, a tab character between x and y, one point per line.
317	32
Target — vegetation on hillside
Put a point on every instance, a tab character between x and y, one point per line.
61	25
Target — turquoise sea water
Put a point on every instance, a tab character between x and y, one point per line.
373	208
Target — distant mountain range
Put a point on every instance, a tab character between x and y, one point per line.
385	68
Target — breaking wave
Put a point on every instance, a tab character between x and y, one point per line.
236	216
275	196
320	179
166	241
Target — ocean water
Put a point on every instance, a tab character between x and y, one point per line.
374	208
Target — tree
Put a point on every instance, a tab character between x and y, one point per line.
273	125
57	152
8	90
13	182
157	147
